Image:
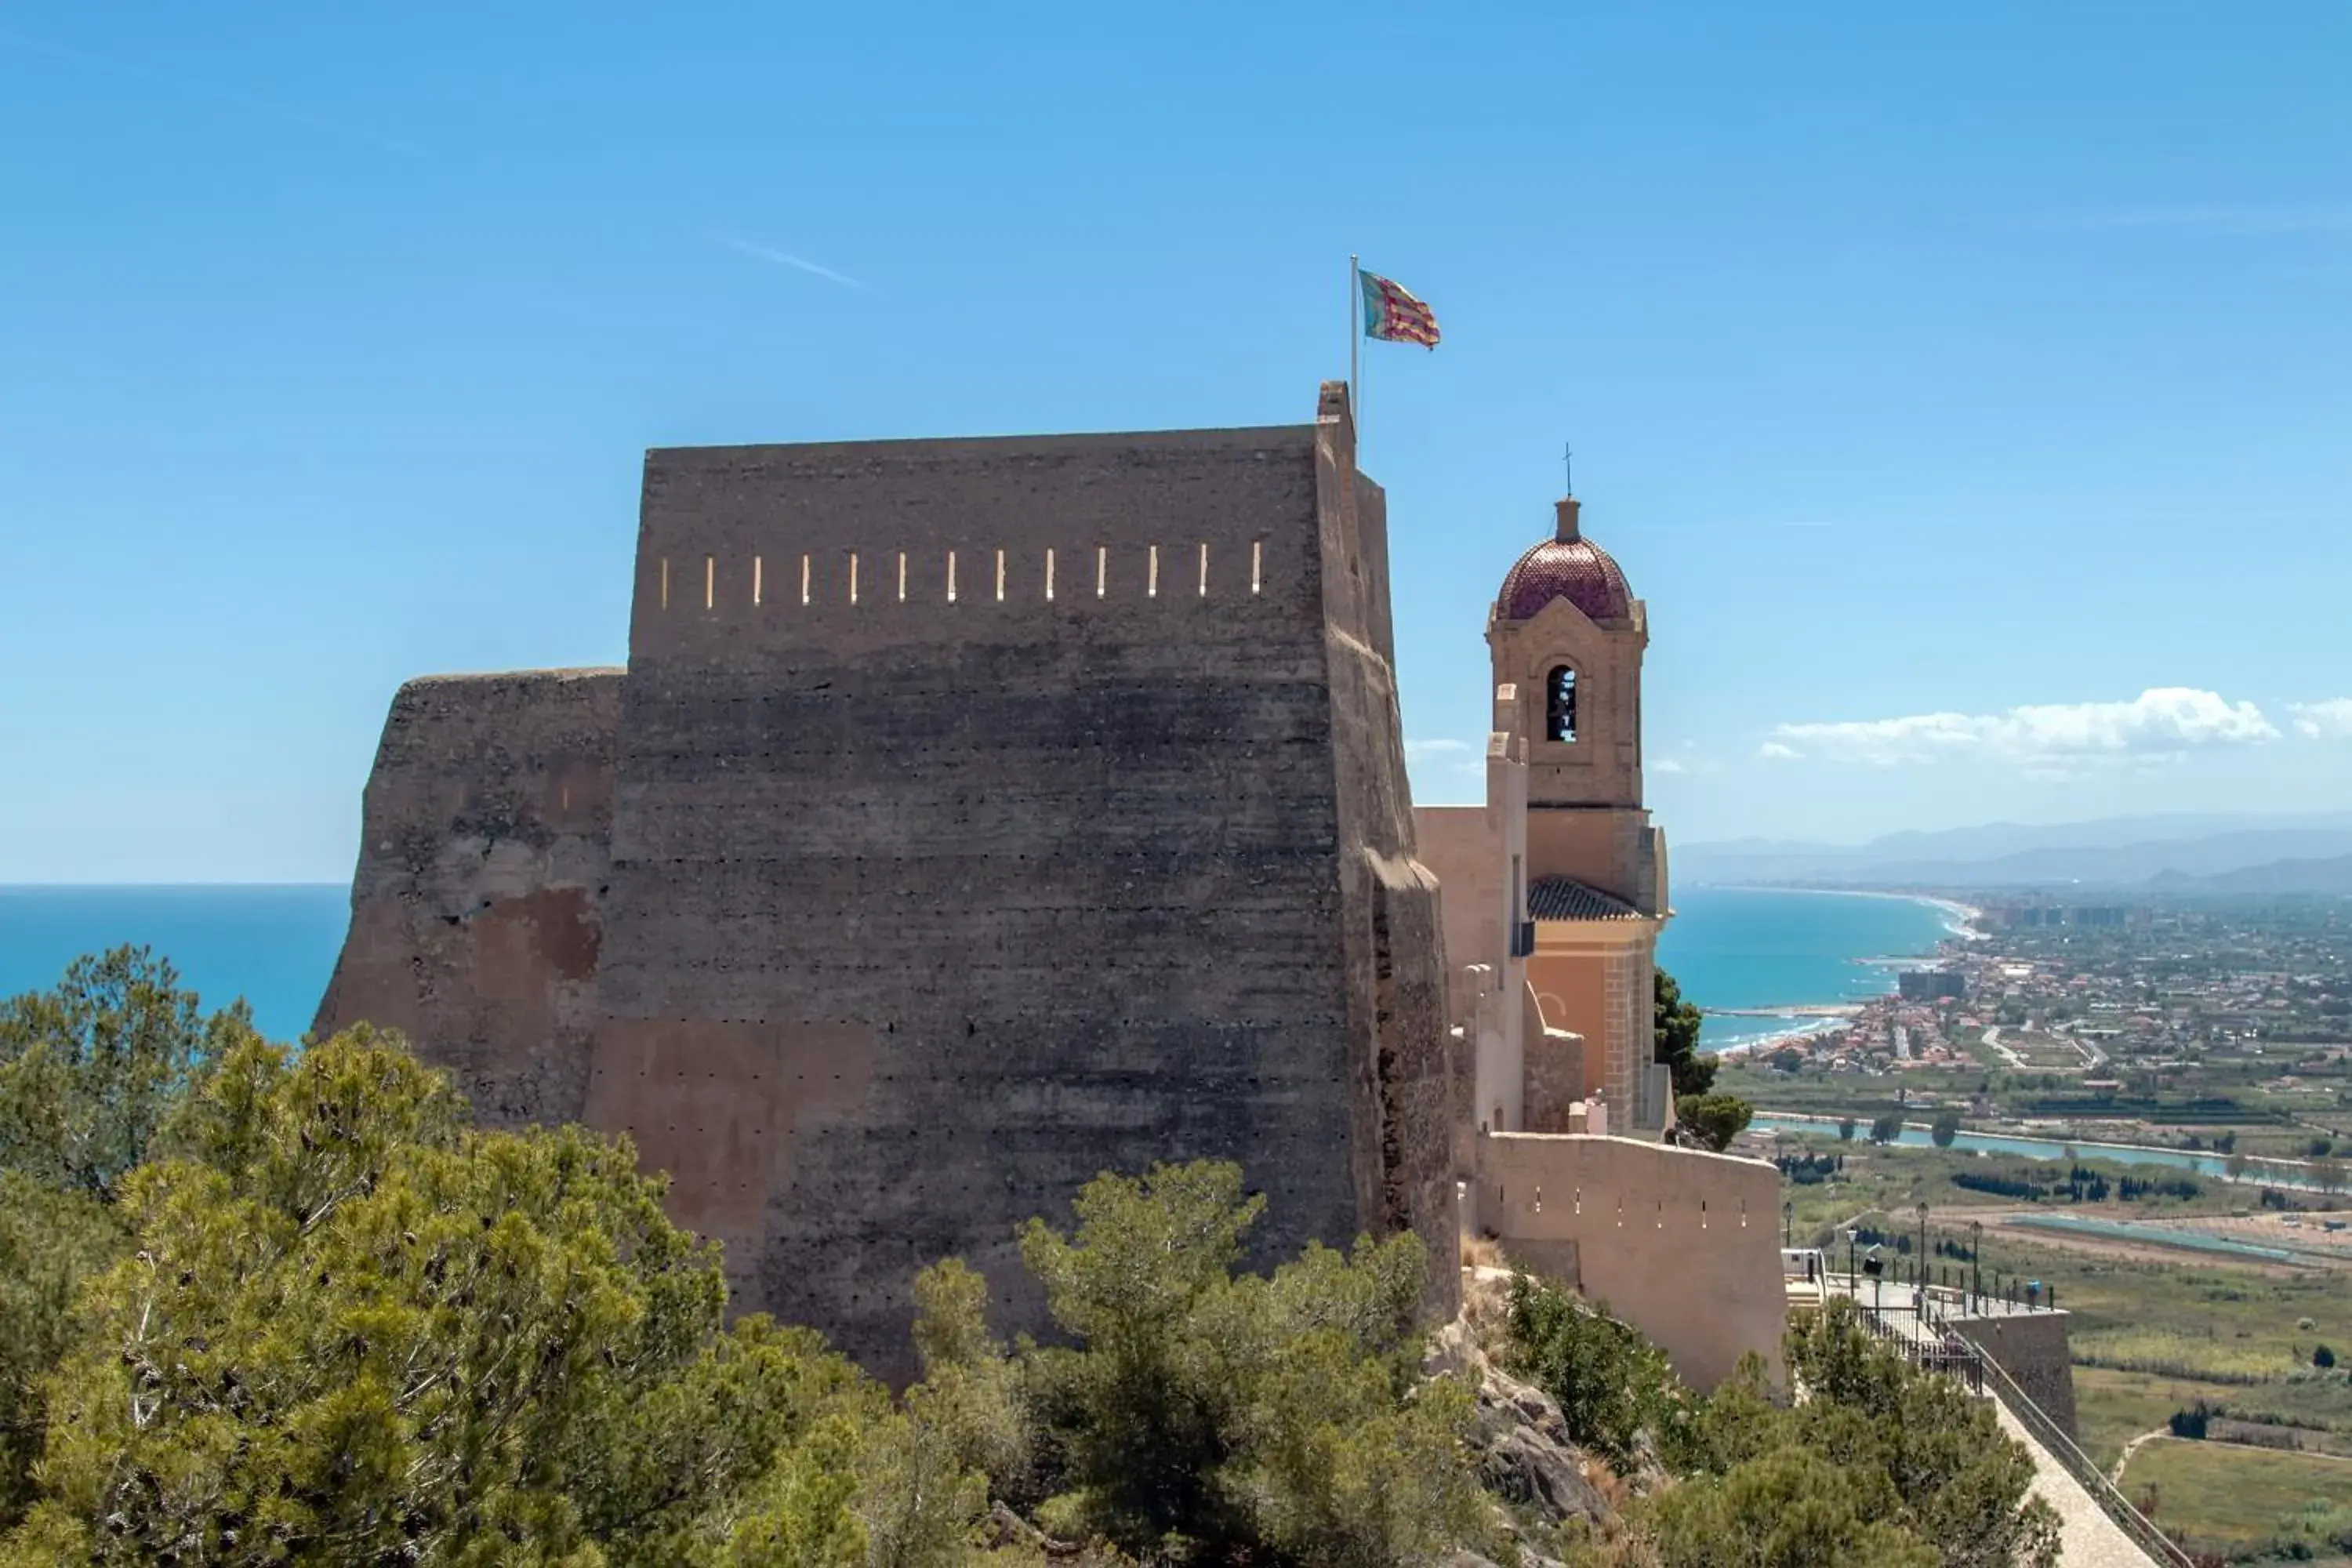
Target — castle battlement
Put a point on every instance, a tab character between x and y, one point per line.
972	816
938	542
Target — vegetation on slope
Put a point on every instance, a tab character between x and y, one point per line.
260	1305
1880	1464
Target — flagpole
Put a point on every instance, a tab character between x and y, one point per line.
1356	345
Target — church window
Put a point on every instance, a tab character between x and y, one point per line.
1559	704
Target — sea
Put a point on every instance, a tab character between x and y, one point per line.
275	946
1766	949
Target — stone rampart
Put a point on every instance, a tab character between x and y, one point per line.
993	814
2033	1347
476	909
1682	1243
983	815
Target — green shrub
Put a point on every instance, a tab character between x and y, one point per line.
1882	1463
1715	1120
1612	1384
1199	1415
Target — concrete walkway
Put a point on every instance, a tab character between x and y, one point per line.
2091	1538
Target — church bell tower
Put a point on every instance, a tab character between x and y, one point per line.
1567	637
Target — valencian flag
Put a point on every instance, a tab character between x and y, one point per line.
1392	315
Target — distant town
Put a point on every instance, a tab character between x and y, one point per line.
2194	1025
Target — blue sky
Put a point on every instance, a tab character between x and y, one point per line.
1945	384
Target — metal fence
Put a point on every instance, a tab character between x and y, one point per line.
1921	1328
1926	1343
2094	1480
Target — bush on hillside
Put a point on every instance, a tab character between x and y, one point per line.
1204	1415
1715	1120
1615	1390
1882	1463
263	1307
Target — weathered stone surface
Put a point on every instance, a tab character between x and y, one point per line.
1520	1442
2035	1349
985	815
476	908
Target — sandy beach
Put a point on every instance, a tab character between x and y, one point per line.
1806	1019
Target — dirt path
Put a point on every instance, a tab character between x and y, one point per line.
2116	1475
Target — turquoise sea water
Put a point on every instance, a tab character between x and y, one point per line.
275	946
1730	947
1764	947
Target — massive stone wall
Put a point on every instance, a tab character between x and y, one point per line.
985	815
2033	1349
476	907
1682	1243
992	814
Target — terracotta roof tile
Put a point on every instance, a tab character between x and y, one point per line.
1566	899
1576	569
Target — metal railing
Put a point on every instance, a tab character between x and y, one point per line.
1928	1345
2094	1480
1936	1344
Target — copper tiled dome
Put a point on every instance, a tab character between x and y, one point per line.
1569	567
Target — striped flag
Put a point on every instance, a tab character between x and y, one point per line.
1392	315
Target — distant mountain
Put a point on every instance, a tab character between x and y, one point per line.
2113	851
2331	876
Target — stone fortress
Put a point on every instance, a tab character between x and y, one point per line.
976	815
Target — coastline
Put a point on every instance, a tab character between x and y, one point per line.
1809	1018
1960	919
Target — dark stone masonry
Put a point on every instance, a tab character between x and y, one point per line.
972	816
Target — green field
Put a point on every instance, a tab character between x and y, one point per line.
2149	1338
2113	1407
2233	1501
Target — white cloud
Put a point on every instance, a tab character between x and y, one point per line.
1459	756
1668	765
2161	722
2328	721
783	258
1779	753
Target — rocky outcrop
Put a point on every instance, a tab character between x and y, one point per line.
1524	1457
1540	1479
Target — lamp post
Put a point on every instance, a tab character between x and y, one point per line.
1921	1303
1852	1279
1788	1224
1976	1265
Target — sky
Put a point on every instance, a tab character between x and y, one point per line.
1968	394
